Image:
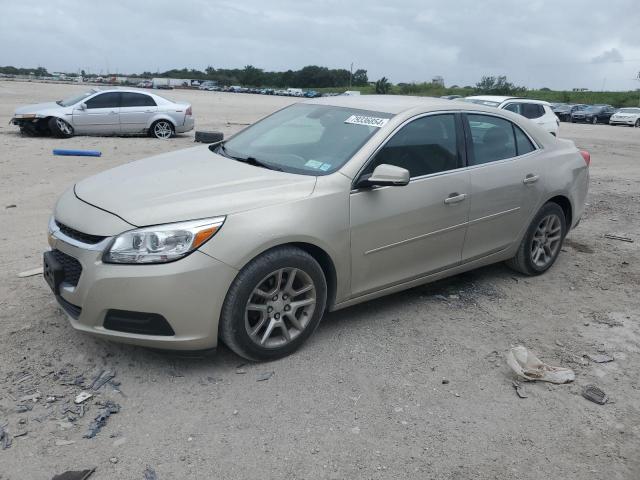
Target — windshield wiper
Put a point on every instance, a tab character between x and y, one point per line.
250	160
59	102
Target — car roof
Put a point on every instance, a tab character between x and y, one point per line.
502	99
393	104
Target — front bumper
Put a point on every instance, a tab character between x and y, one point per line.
188	293
189	123
622	121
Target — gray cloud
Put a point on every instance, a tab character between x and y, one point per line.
535	43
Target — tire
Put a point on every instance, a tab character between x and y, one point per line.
525	259
162	129
595	120
260	333
60	128
637	124
208	137
572	120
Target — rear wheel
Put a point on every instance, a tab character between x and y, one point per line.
595	120
162	129
542	242
60	128
274	304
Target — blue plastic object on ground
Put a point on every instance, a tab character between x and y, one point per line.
78	153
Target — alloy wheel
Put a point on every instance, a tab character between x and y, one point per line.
162	130
280	307
546	241
63	126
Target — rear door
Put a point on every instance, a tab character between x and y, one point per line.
101	115
136	110
402	233
506	183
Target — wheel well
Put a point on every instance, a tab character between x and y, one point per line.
565	205
327	266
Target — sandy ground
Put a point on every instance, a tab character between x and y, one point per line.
365	397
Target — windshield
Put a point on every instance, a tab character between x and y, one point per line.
67	102
305	138
486	103
629	110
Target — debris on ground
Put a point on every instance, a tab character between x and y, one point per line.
600	357
103	377
621	238
264	376
82	396
77	153
30	273
150	474
526	365
445	381
595	394
64	443
5	438
519	389
11	205
240	370
75	475
100	421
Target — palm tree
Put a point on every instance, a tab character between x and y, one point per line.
383	86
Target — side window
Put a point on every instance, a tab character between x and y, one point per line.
514	107
130	99
426	145
523	144
532	110
104	100
492	139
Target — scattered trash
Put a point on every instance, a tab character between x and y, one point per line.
5	438
600	357
75	475
113	460
240	370
150	474
77	153
82	396
595	394
30	273
445	381
64	443
100	421
264	376
618	237
519	389
12	205
526	365
21	433
103	377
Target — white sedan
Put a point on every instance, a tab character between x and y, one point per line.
106	112
626	116
537	111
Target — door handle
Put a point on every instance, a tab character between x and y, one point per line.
455	198
530	178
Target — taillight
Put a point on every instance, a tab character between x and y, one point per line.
586	156
189	110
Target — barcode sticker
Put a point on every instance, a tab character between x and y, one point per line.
368	121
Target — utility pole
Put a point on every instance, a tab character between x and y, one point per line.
350	75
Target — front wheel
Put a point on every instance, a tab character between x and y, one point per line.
59	128
162	129
541	244
274	304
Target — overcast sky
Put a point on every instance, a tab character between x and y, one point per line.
559	44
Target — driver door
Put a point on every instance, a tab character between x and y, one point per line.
101	115
402	233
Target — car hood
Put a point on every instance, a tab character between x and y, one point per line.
36	107
189	184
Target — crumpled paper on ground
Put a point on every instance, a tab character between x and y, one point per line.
526	365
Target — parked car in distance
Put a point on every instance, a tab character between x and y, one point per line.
312	94
106	112
451	97
209	85
564	110
626	116
537	111
324	204
145	84
593	114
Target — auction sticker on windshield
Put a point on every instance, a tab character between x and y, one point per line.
369	121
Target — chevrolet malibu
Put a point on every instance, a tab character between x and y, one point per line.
106	112
317	207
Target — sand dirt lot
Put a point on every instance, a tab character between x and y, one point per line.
365	397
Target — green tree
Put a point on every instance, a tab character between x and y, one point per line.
383	86
498	86
360	78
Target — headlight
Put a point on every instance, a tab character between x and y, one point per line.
25	115
161	243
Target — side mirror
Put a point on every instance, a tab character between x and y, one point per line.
385	176
83	106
